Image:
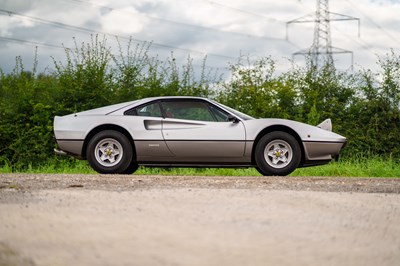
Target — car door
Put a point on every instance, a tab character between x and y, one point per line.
195	130
146	127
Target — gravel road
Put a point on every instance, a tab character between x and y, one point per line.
170	220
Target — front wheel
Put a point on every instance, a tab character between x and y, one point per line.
110	152
277	153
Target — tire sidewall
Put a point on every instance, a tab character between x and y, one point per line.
125	161
131	168
263	167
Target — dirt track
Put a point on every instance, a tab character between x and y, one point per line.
166	220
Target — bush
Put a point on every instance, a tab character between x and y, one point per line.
363	106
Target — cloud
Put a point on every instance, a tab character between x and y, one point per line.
20	5
223	29
123	21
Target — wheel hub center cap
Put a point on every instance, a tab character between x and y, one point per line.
109	152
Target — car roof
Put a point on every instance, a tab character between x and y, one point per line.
172	97
127	105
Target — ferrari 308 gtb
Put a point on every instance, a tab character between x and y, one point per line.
191	132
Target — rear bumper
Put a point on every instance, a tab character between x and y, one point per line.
64	153
70	147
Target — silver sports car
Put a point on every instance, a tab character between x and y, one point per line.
191	132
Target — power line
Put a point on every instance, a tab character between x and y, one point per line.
9	39
251	14
86	30
363	44
164	46
43	44
197	26
321	51
179	23
373	22
243	11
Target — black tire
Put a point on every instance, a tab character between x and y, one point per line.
277	153
259	170
110	152
131	169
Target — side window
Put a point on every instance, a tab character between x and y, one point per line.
220	115
189	110
152	109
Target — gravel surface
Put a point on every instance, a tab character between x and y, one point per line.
132	182
168	220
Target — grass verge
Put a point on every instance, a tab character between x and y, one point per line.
349	167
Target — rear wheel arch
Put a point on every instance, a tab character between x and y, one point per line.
270	129
98	129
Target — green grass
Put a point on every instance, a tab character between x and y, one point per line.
355	167
350	167
69	166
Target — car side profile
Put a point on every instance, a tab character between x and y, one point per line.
191	132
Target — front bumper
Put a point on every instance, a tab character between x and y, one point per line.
325	150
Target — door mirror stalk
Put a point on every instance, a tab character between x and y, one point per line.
233	119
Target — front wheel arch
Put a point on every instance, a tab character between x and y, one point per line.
277	128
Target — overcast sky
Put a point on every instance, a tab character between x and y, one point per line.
220	29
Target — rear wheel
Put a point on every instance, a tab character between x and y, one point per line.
131	169
277	153
110	152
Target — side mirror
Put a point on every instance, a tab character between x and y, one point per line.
233	119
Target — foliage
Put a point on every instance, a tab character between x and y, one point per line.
90	77
84	81
376	110
364	106
25	117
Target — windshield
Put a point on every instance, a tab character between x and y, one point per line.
236	112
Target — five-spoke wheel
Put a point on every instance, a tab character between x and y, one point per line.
110	152
277	153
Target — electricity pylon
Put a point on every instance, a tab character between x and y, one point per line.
321	50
